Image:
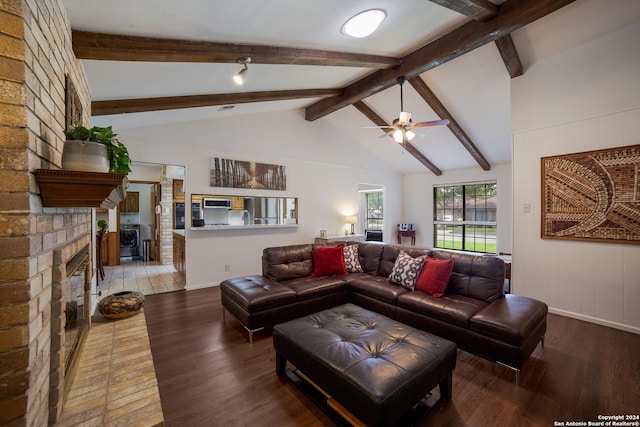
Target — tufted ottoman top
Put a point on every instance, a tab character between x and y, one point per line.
374	366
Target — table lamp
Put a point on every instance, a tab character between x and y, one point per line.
351	219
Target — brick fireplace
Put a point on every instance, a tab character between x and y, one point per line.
70	315
35	62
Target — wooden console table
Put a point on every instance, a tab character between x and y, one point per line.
407	233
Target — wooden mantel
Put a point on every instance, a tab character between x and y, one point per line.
74	189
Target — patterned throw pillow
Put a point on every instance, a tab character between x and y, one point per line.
351	259
406	270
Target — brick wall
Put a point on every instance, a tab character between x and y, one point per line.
35	57
166	223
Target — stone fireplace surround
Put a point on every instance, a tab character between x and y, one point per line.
61	372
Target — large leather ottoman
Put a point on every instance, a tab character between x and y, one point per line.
378	369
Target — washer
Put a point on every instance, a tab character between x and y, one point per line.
129	240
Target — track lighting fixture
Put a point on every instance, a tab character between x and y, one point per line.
239	78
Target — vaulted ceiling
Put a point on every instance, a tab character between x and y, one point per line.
157	61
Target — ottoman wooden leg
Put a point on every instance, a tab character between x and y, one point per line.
281	364
446	388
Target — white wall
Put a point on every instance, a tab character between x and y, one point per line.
418	200
583	99
326	190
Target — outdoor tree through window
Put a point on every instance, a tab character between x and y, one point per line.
465	217
374	210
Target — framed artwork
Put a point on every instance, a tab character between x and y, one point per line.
73	106
243	174
592	196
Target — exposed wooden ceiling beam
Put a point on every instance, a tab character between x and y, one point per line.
139	105
112	47
513	14
379	121
509	55
423	90
479	10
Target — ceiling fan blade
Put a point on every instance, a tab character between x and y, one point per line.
431	123
405	116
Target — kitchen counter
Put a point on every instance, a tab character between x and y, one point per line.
242	227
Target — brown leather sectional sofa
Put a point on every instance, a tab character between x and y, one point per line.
474	312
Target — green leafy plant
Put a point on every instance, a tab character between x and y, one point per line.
119	160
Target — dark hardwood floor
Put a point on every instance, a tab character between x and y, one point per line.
209	375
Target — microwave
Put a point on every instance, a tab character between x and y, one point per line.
216	203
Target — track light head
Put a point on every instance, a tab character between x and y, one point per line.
239	78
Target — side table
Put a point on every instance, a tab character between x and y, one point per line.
407	233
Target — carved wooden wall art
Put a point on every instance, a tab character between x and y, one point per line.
593	196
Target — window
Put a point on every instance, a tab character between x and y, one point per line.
465	217
374	218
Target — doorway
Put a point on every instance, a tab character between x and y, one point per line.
138	223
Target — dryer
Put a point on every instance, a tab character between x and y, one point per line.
129	240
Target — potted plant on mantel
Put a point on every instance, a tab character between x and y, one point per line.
94	150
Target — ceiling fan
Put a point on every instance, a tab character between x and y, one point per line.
403	129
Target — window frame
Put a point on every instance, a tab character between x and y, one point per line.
459	207
377	220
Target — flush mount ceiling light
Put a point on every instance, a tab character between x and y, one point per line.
239	78
364	23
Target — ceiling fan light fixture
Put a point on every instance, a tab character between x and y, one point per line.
397	135
364	23
239	78
410	135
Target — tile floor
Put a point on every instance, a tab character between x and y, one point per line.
144	277
115	382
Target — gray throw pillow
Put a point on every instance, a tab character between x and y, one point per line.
406	270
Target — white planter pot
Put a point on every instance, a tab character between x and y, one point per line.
87	156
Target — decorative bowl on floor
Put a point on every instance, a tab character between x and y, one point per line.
121	305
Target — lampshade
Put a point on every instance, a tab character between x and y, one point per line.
351	219
398	135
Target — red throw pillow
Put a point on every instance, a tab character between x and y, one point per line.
328	261
435	276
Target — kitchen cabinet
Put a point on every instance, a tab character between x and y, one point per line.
178	190
237	203
110	250
131	202
179	261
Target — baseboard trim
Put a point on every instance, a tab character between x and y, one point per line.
201	286
615	325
